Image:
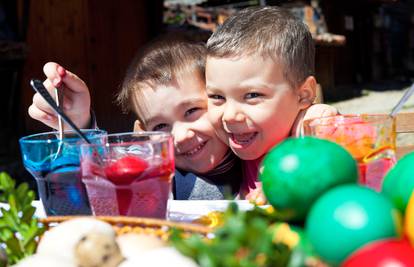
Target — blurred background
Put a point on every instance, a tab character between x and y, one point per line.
362	46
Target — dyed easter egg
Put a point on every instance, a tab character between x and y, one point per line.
398	184
297	171
348	217
384	253
409	220
126	169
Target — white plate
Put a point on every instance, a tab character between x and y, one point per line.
178	210
190	210
39	213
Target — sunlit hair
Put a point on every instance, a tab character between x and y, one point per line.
270	32
159	64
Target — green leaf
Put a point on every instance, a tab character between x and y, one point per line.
10	219
14	245
6	182
30	248
19	231
13	205
21	191
28	213
30	234
5	234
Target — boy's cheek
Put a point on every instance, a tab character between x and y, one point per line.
214	115
222	136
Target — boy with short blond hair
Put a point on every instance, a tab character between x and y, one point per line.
260	83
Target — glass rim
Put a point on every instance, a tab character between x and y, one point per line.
164	136
32	138
141	133
326	121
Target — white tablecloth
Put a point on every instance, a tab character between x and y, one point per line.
178	210
40	212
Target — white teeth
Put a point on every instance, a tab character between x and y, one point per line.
243	139
195	150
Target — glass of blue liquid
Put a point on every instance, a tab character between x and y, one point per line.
55	165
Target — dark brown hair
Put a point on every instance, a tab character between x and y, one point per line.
159	64
268	31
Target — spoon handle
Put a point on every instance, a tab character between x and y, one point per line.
402	101
59	99
38	87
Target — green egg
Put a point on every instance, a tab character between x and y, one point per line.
347	217
297	171
398	184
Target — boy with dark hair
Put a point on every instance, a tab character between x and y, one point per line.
165	87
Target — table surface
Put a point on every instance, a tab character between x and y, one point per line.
178	210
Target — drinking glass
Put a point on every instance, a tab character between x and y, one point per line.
55	165
130	174
370	138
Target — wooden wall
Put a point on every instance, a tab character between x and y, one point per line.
93	38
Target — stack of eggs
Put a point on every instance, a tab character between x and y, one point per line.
315	181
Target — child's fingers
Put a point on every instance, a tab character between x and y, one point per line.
252	196
329	111
57	75
66	101
41	104
46	118
74	83
261	199
54	73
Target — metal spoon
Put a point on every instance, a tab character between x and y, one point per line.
59	99
402	101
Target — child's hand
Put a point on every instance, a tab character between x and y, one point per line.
76	100
314	111
256	196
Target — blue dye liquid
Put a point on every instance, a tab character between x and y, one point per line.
60	186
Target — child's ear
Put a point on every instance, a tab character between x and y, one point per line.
138	126
307	92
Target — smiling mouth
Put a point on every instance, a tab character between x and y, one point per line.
243	139
195	151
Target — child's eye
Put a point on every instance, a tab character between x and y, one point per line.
160	127
191	111
252	95
215	97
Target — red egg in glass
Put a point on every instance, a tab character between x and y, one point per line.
129	174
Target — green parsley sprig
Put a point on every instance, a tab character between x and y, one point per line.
19	230
244	240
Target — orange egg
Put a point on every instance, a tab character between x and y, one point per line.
409	220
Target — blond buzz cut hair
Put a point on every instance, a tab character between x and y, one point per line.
270	32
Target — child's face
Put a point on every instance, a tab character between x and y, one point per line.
251	105
181	108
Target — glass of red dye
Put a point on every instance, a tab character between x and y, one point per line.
129	174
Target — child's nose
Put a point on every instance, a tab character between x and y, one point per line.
232	113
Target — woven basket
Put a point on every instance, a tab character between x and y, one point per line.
124	225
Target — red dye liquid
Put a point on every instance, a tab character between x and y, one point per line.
372	173
129	186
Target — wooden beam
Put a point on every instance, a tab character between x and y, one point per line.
403	150
405	122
